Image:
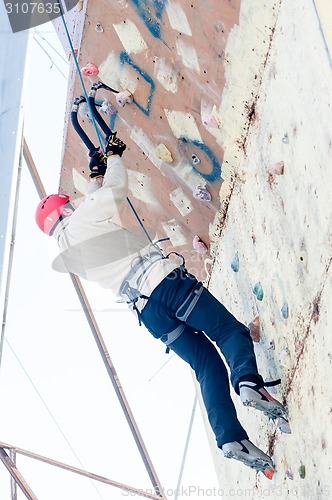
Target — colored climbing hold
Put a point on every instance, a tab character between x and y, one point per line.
90	70
79	6
284	311
289	474
302	471
107	108
195	159
285	358
84	111
124	97
255	329
99	28
199	246
285	139
235	263
277	169
164	153
258	291
269	473
201	193
283	426
209	121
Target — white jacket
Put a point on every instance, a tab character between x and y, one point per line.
95	248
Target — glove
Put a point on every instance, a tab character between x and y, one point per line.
97	165
114	146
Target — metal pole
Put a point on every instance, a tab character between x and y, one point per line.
33	170
116	383
13	483
177	491
16	475
76	470
11	256
102	347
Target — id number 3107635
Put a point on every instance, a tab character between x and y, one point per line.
33	8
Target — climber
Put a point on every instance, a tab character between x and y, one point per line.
169	302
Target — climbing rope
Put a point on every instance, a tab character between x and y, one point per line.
95	125
80	75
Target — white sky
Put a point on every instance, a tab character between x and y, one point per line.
50	336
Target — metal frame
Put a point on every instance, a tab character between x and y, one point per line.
18	478
9	460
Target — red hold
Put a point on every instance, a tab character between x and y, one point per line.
90	70
200	246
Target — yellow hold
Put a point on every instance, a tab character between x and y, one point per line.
164	154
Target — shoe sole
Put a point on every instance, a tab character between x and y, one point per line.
259	464
273	411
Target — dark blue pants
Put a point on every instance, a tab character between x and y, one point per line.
161	316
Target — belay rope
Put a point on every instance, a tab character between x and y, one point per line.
98	132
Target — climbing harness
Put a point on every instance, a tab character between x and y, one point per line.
130	286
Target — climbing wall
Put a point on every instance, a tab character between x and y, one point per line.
239	93
273	257
171	56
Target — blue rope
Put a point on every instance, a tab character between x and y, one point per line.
93	120
139	220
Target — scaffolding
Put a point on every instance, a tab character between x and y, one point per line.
9	460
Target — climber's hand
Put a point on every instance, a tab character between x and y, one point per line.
97	165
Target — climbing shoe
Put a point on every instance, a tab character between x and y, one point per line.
249	454
256	396
114	146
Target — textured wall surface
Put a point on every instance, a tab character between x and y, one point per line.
278	231
172	57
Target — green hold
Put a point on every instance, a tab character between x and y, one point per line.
302	471
258	291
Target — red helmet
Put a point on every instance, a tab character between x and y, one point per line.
49	211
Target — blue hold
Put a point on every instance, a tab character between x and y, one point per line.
235	263
284	311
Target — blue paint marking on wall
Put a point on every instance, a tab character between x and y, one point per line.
125	59
151	12
215	174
